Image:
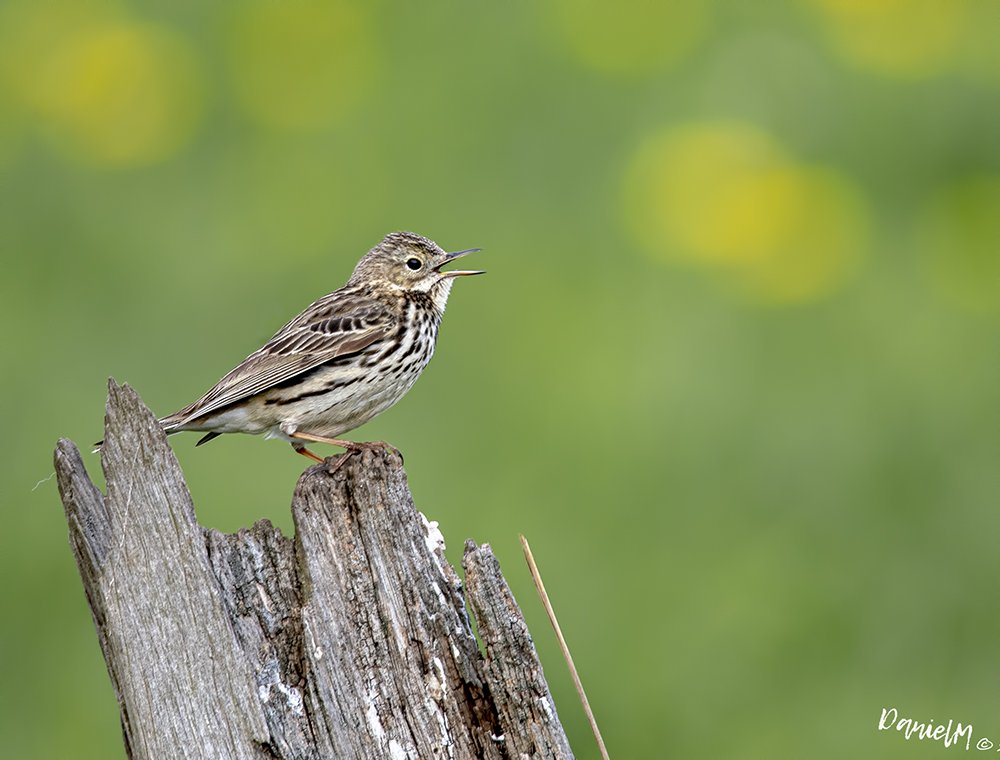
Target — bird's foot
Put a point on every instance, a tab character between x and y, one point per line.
351	446
373	446
357	448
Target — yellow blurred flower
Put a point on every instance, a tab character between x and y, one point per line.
903	38
727	198
303	65
108	91
632	37
122	95
959	236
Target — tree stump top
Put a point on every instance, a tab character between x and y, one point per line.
351	640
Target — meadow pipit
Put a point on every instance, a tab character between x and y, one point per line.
343	361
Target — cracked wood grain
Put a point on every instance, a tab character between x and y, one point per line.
351	640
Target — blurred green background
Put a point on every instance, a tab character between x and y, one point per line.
733	370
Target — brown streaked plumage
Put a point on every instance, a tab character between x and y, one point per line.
344	360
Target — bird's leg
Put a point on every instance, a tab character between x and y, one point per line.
307	453
351	446
319	460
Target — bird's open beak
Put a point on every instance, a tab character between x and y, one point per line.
451	258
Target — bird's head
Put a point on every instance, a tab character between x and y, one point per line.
406	261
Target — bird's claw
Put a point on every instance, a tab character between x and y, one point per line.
332	468
375	446
357	448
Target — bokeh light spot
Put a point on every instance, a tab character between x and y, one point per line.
631	38
903	38
727	198
108	91
735	174
823	245
303	65
122	95
960	238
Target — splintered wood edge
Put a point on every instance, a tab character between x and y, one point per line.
153	595
514	672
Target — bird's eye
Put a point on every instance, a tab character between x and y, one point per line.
414	264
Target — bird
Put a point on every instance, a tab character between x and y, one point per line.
343	361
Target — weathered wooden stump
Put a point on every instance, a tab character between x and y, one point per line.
351	640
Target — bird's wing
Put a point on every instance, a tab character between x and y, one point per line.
329	329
